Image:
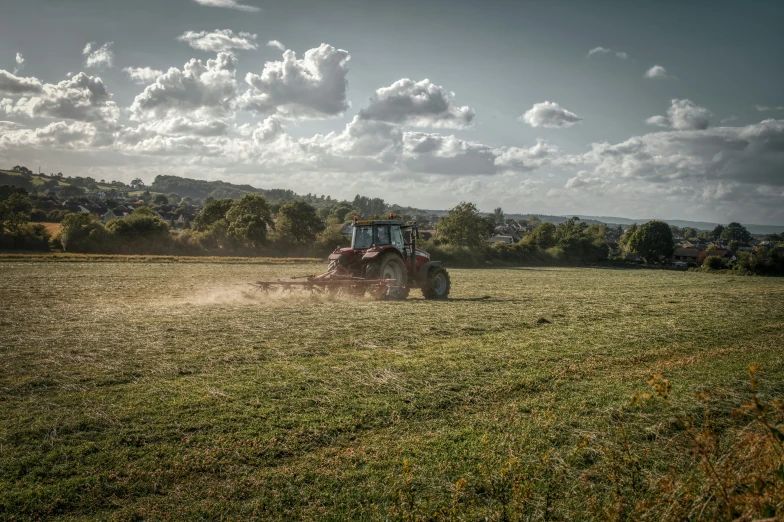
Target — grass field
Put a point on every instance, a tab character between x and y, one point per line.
169	391
35	178
53	228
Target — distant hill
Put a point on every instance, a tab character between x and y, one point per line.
680	223
201	189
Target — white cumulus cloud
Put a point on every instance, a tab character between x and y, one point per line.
81	97
683	115
526	159
58	135
102	56
550	115
276	44
229	4
208	86
20	63
737	169
142	75
219	40
10	84
748	155
420	104
597	51
657	72
313	86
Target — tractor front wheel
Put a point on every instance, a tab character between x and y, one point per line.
438	284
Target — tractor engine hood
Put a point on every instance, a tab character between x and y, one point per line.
373	252
342	255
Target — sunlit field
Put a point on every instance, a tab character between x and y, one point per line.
174	391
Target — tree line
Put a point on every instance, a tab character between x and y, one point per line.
251	226
247	226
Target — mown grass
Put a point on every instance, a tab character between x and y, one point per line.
170	391
68	257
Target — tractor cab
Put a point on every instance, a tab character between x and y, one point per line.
381	235
377	233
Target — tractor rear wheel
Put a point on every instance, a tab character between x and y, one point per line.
390	266
438	284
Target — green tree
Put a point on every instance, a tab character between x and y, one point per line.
542	236
142	232
717	232
490	224
651	240
80	232
14	209
581	242
331	238
623	242
248	219
733	245
71	191
343	212
143	211
463	226
572	227
23	170
498	215
211	213
736	232
298	222
689	232
160	199
713	262
369	206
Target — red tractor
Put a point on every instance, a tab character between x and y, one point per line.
383	260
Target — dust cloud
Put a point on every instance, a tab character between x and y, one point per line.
247	295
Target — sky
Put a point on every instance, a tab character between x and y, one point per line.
633	109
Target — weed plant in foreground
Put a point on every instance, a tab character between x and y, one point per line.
170	391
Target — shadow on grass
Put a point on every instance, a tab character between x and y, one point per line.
486	299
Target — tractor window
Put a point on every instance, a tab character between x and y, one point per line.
397	237
362	238
382	236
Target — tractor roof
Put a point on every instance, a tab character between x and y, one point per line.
379	222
